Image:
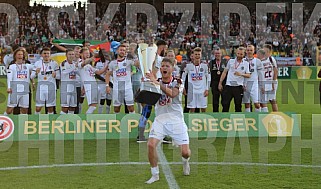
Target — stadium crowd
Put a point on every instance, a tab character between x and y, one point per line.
34	32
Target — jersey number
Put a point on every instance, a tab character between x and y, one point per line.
268	74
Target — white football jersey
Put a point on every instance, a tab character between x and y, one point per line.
46	70
121	73
267	73
274	63
87	73
198	77
18	73
68	71
101	65
167	108
254	66
234	66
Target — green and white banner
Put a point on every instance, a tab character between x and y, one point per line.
112	126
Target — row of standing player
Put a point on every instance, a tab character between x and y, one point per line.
199	77
19	76
197	95
246	78
77	74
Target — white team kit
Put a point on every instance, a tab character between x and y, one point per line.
266	83
122	89
18	79
46	89
68	93
252	84
87	75
101	84
169	118
198	80
234	66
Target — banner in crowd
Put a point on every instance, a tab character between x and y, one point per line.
288	61
112	126
34	58
76	41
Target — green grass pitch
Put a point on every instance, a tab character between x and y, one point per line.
100	167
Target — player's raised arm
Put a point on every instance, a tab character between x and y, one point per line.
155	69
66	70
171	92
101	71
59	47
87	61
247	73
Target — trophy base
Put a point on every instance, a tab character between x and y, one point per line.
148	94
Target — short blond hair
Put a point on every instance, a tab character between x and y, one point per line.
197	49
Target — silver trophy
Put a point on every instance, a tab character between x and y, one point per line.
149	92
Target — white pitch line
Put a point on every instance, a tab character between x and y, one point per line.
146	163
166	168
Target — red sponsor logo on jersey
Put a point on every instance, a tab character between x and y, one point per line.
197	76
164	100
22	74
6	127
72	75
121	72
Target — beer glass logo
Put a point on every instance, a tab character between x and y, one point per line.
278	124
304	72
